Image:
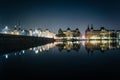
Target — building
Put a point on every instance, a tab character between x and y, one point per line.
69	34
48	34
35	33
6	30
24	32
30	32
103	33
118	34
16	31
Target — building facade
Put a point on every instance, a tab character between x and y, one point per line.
103	33
69	34
118	34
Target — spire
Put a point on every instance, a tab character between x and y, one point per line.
77	29
92	26
88	29
68	28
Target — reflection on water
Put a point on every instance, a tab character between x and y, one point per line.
64	59
101	45
90	46
42	48
69	46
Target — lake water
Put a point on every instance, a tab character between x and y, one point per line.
79	59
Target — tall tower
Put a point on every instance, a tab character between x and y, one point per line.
88	29
91	26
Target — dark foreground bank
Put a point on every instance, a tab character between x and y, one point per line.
9	43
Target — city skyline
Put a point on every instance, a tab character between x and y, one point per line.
55	29
65	35
52	14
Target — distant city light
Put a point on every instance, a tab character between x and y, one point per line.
67	34
6	27
6	56
36	51
23	51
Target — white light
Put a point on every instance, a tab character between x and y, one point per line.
6	56
23	51
5	32
6	27
40	50
36	51
30	49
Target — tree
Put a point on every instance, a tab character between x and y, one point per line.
60	31
68	28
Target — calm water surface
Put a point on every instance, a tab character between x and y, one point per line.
79	59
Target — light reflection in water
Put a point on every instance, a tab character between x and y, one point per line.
90	46
42	48
101	45
6	56
69	46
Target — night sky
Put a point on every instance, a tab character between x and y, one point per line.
55	14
